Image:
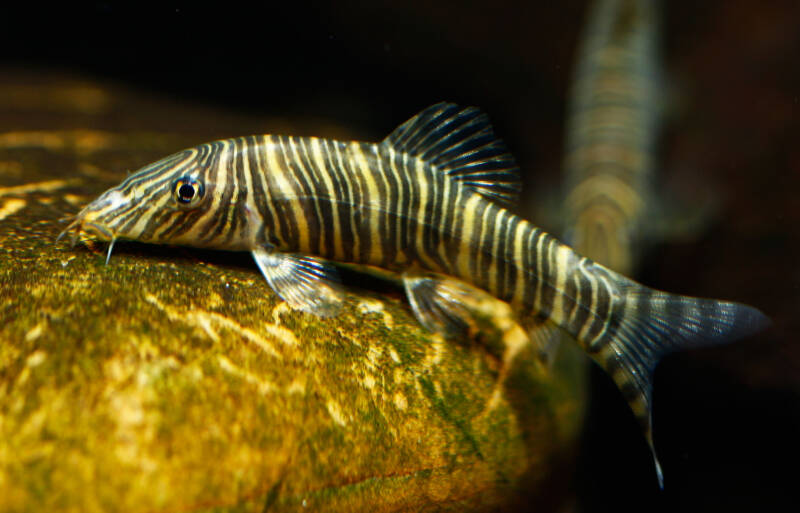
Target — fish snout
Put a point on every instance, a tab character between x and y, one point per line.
85	223
99	230
91	219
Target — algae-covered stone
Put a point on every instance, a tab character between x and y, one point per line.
173	379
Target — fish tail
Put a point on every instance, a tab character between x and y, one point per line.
646	324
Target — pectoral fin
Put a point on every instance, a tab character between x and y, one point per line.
306	283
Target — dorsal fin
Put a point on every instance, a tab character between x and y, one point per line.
462	144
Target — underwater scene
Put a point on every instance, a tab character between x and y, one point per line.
399	256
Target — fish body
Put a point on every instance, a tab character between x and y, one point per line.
611	131
429	200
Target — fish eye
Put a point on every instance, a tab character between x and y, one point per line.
188	191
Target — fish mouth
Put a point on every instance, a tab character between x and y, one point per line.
80	226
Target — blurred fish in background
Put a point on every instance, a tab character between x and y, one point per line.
611	130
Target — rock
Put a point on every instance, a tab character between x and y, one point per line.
174	380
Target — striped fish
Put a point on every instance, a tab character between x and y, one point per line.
611	131
429	200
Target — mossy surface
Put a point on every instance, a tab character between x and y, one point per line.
175	380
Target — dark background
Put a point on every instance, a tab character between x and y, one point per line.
727	419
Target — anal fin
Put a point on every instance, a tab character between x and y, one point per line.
306	283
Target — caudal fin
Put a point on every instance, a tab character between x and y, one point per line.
650	324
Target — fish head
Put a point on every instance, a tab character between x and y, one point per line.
159	203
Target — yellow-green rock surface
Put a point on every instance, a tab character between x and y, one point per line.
175	380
